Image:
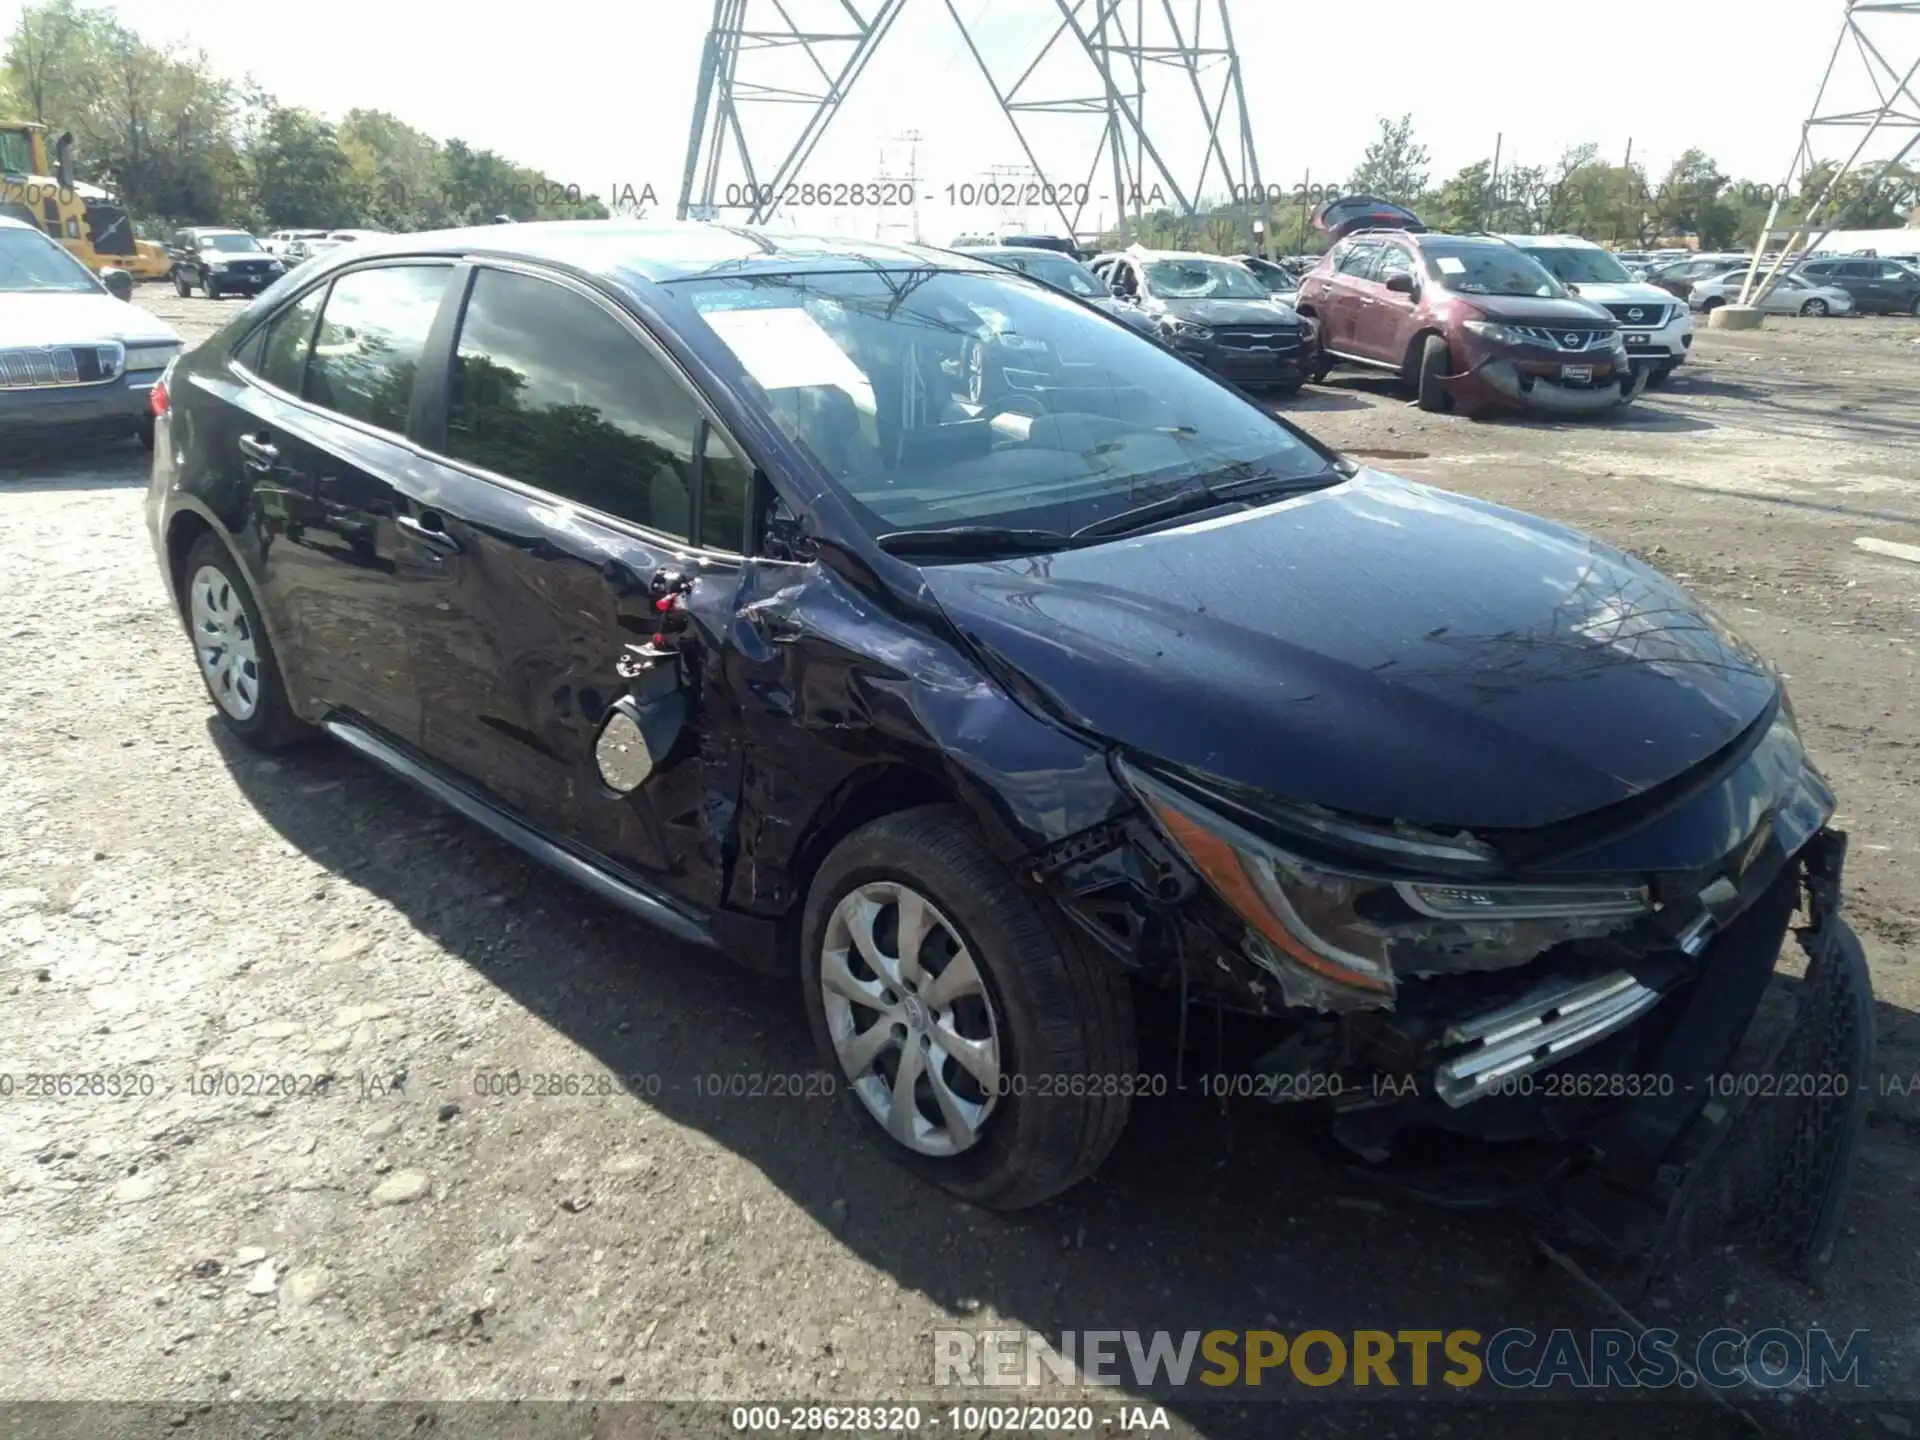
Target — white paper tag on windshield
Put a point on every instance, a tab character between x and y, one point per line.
1451	265
786	349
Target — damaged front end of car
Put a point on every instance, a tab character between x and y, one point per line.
1560	1019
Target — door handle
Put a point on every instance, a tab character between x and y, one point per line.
428	528
260	454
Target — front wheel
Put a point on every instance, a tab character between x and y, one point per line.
182	286
1662	373
976	1043
1432	378
1914	309
236	658
1814	307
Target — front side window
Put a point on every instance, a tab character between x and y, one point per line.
283	356
551	390
937	399
1393	261
1201	280
1488	267
373	331
29	261
1358	258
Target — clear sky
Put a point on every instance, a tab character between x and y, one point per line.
598	94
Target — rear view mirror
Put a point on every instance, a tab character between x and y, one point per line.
1401	284
119	283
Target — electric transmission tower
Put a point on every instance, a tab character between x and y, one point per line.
774	73
1866	95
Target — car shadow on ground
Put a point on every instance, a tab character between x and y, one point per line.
75	464
1207	1216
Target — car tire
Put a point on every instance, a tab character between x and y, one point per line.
144	429
1281	392
1662	373
182	286
1914	309
1814	307
1037	1011
1431	379
247	689
1711	304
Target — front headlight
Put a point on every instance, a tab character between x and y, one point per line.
1190	329
1340	938
1496	333
216	262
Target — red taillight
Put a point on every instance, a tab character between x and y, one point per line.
157	397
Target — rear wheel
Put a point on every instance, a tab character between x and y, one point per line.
236	658
1711	304
1432	377
1914	309
976	1044
1814	307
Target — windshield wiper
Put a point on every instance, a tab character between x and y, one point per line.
1232	482
974	540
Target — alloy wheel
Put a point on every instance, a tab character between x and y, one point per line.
1815	307
223	639
910	1018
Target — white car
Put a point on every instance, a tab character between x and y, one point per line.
1657	331
1789	295
75	355
278	242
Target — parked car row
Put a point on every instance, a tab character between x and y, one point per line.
220	261
898	623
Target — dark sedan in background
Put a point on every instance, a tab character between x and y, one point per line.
1876	286
1213	311
892	621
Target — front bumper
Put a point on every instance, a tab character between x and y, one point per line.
1664	347
1245	367
1529	384
249	283
114	405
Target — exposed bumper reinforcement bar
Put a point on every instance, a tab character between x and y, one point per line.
1544	1027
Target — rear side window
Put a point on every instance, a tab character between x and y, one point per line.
282	358
550	390
373	331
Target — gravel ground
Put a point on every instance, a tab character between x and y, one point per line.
178	910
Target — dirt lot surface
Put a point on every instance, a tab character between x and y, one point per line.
176	908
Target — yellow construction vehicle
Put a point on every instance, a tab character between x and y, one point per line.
94	227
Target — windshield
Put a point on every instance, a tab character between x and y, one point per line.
1201	280
1579	265
16	152
1057	271
1488	267
945	398
30	261
228	242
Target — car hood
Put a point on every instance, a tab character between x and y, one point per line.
1131	314
1380	648
1533	309
67	318
1625	294
1228	312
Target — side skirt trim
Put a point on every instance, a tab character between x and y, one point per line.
660	913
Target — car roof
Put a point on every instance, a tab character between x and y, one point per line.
663	251
214	230
1551	242
1013	251
10	223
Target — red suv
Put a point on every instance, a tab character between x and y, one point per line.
1468	321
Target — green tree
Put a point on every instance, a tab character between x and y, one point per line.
299	173
1465	199
1394	166
1693	198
